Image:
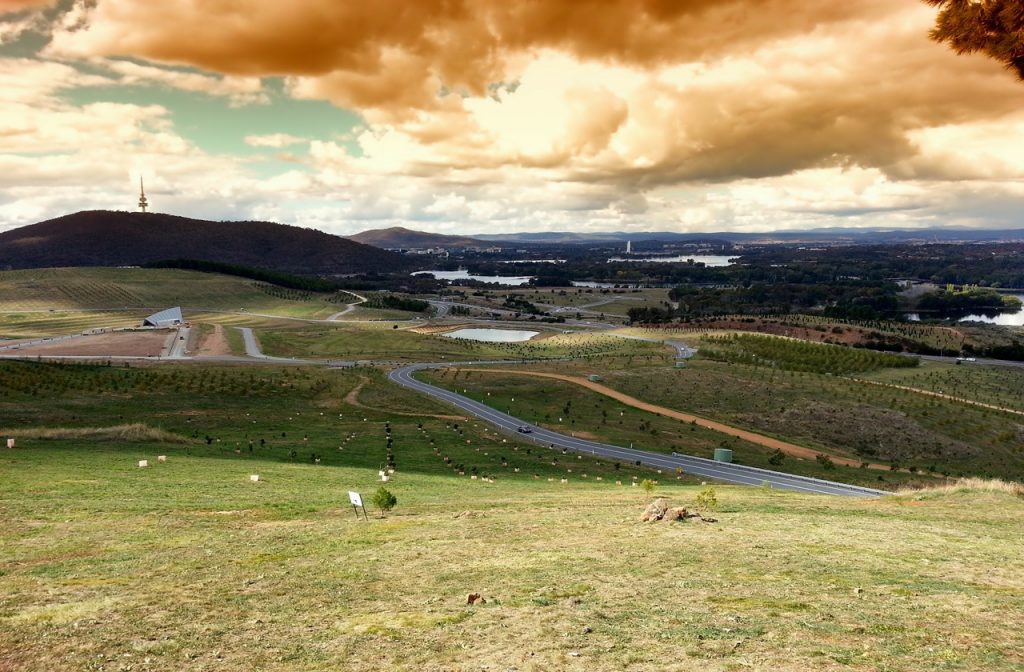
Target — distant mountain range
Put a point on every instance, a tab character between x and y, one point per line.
105	238
398	237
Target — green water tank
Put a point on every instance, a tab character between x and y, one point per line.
723	455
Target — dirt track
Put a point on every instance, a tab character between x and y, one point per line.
940	395
759	439
214	344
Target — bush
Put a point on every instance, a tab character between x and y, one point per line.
707	499
825	461
384	500
647	485
777	458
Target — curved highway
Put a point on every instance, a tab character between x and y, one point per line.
698	466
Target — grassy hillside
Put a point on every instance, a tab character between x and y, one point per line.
65	300
187	564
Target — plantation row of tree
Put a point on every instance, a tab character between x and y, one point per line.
302	282
394	302
794	355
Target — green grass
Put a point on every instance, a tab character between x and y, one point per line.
142	289
189	565
289	415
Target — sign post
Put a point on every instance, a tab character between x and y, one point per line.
357	503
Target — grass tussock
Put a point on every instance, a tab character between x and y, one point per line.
136	432
969	485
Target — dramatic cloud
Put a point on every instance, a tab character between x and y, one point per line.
699	114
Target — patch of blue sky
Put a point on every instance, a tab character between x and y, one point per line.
217	126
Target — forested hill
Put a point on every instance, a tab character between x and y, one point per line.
398	236
105	238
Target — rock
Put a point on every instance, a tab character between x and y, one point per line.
677	513
655	511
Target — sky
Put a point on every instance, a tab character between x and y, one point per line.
490	116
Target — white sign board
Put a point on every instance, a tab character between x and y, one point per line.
10	443
355	498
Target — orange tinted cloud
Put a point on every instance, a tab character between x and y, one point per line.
633	93
462	44
11	6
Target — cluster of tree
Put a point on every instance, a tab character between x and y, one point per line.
967	300
394	302
278	278
844	301
521	305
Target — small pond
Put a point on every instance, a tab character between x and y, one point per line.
492	335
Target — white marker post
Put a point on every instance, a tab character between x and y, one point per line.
10	443
357	503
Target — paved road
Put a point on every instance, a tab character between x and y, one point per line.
349	307
252	347
177	349
730	473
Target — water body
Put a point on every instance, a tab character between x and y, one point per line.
492	335
604	285
706	259
507	280
1002	319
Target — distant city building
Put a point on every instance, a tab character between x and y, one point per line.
629	247
143	203
165	318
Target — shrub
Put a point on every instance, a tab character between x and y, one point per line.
647	485
777	457
384	500
707	499
825	461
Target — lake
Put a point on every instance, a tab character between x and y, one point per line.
492	335
706	259
1002	319
507	280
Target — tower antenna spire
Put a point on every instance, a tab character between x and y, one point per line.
143	203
